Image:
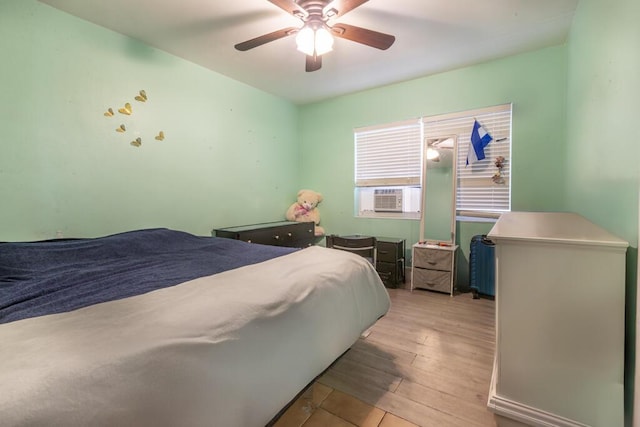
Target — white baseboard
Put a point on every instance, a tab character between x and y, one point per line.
522	413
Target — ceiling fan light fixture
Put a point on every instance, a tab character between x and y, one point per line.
324	41
315	37
306	40
314	42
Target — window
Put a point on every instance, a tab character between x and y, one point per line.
388	164
388	168
481	191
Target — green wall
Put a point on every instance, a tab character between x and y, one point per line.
64	168
534	82
602	135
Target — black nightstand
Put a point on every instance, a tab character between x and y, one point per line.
390	260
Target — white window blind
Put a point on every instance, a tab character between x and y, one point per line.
477	191
389	155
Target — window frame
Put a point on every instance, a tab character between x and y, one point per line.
476	178
388	156
481	196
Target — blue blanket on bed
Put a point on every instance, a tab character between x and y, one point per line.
55	276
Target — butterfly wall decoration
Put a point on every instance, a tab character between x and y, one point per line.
127	110
142	97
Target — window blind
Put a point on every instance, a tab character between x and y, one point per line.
476	190
389	154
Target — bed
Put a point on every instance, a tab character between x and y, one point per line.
164	328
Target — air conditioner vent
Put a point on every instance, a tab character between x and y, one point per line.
387	200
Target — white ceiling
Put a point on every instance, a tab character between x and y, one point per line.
432	36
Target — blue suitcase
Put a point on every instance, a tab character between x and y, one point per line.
482	266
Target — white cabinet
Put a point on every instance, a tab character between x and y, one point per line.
560	286
433	267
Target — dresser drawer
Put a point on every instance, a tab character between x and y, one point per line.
264	237
434	280
300	235
437	259
291	234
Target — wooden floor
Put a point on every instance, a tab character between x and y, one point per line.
428	362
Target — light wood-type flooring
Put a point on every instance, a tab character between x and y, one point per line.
428	362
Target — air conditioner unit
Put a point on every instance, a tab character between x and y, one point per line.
387	200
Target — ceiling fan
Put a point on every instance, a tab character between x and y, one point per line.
315	37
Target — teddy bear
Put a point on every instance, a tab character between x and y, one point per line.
306	209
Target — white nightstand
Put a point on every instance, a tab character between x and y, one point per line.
433	267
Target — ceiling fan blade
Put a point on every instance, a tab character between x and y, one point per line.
290	7
339	7
314	63
364	36
266	38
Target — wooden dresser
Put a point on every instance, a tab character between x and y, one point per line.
433	267
560	310
281	233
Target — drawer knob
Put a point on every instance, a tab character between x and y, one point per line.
276	237
289	234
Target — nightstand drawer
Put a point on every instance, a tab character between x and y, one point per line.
389	251
436	259
391	273
434	280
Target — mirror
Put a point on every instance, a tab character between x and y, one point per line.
439	176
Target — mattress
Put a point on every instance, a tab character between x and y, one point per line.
227	349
